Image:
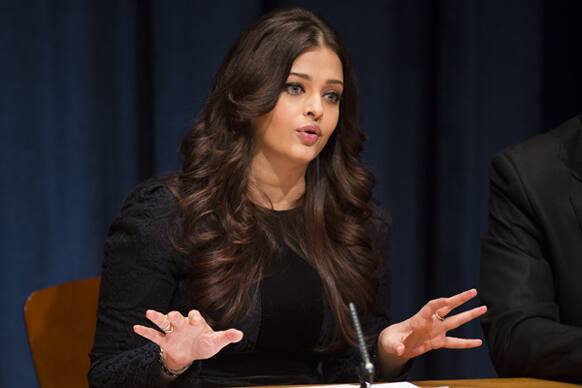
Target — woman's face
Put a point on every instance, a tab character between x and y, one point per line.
307	110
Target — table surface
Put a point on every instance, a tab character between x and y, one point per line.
476	383
490	383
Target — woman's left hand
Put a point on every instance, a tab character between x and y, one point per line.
427	329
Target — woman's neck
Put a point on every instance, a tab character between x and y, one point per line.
275	182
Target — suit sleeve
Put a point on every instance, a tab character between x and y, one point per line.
522	326
139	272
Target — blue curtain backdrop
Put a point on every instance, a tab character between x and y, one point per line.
95	96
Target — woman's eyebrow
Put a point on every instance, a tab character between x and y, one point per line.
308	78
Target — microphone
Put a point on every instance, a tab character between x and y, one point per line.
366	371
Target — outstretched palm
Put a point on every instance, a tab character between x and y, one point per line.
190	338
427	329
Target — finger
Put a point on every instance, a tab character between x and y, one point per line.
427	311
457	300
195	318
461	343
457	320
158	319
149	333
177	319
223	338
444	305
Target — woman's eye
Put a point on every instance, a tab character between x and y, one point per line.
333	97
294	88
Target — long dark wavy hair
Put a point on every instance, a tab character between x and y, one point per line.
225	232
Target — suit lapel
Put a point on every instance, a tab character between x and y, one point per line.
576	200
573	145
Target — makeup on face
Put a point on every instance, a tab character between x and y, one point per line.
297	129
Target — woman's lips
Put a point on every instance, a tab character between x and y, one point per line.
309	134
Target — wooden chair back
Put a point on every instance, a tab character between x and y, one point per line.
60	324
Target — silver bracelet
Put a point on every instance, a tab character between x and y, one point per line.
168	371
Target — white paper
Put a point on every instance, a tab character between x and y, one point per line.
381	385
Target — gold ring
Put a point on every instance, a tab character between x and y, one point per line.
170	328
438	316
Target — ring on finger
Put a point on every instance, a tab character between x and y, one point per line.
438	316
169	328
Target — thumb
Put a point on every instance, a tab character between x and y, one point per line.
233	335
223	338
400	349
393	345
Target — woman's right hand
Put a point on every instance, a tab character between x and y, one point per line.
185	339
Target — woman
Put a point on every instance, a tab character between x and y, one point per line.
238	269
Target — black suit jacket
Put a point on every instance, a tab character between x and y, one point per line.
531	257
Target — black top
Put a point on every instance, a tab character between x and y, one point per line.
531	257
291	305
290	292
141	270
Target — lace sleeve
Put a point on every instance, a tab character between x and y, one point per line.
139	272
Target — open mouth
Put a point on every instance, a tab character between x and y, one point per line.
309	134
310	129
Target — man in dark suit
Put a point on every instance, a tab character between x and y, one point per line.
531	257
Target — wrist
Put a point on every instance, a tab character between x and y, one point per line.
171	368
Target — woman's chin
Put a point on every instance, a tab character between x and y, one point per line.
304	154
304	159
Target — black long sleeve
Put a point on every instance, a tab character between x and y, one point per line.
139	272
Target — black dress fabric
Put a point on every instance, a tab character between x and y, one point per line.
289	317
291	296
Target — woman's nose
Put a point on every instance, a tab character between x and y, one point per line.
314	108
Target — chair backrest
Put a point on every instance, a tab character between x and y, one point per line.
60	323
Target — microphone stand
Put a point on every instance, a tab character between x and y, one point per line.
366	369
